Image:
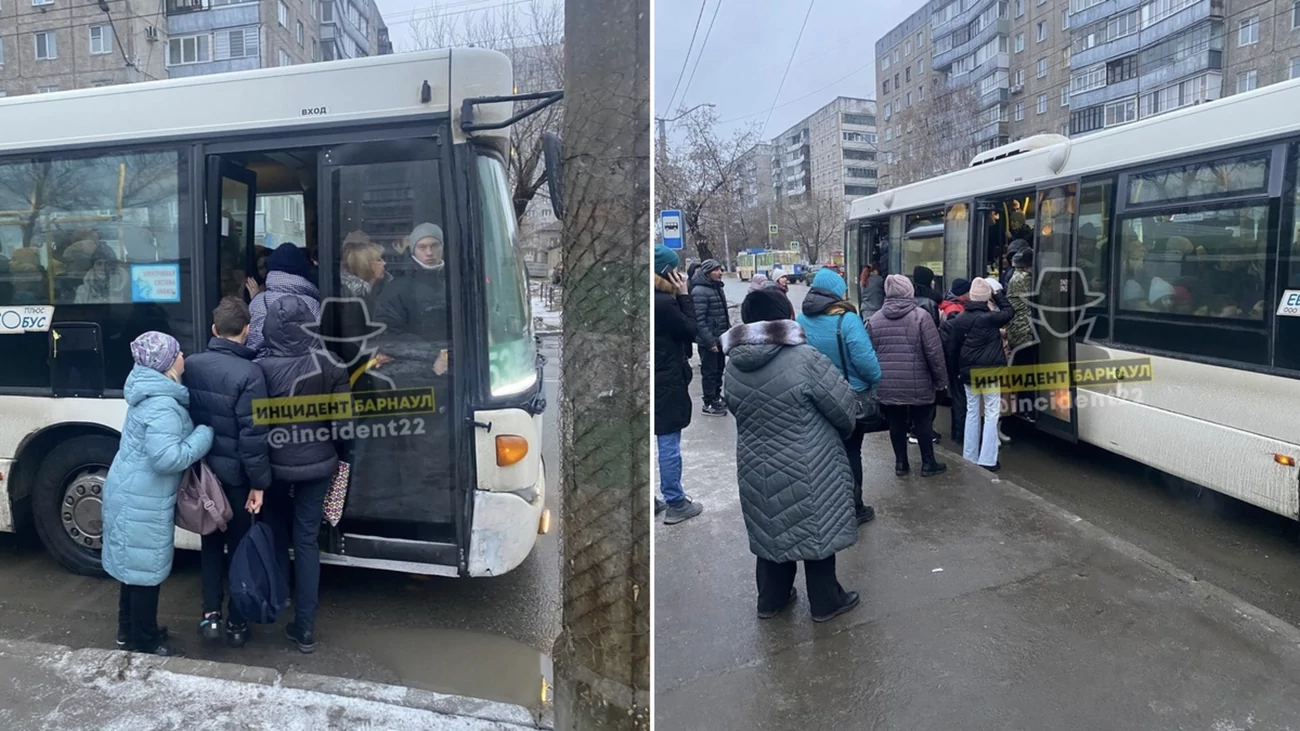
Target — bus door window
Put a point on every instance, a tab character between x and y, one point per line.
923	243
956	247
1092	250
391	326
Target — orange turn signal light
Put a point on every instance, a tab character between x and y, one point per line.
511	449
1285	460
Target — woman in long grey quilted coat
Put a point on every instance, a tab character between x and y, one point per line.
793	410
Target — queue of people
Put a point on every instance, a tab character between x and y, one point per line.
179	416
806	389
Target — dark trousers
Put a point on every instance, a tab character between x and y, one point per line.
711	365
218	548
137	616
957	394
922	420
297	509
775	580
853	445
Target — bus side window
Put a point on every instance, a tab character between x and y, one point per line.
1093	251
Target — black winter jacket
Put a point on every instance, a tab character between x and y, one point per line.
675	330
928	300
223	382
711	317
976	335
298	366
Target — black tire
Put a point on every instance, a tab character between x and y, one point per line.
63	463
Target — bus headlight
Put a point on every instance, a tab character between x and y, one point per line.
511	450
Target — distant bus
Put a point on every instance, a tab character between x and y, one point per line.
747	265
134	208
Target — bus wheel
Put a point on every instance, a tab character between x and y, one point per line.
67	501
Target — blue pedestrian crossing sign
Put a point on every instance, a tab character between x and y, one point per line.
670	222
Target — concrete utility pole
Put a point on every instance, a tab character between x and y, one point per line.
602	656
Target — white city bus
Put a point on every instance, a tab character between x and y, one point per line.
137	207
1177	237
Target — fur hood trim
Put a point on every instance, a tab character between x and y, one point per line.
772	332
663	285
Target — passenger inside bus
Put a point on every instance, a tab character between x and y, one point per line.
107	282
414	308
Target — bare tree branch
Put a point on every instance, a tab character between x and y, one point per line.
936	135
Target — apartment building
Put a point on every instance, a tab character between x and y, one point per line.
959	77
57	45
754	177
831	154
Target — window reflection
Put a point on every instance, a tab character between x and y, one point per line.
1205	264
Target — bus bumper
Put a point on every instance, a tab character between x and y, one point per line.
506	526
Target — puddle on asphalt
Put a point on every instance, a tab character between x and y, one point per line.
456	662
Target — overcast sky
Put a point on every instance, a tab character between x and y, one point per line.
750	45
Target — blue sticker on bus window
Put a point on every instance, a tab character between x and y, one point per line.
155	282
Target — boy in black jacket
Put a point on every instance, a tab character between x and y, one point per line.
223	382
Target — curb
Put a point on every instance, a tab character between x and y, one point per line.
91	664
1270	621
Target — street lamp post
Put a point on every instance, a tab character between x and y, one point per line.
663	127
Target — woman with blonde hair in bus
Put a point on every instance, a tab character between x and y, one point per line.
364	271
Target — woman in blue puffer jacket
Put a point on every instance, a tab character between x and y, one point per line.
159	442
828	318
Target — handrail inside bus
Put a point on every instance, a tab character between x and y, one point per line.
467	123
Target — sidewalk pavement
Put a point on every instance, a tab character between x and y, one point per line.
61	689
983	607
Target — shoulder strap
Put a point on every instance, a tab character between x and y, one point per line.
839	339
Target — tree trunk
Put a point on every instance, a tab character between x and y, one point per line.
602	656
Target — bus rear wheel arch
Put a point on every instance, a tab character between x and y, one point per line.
67	497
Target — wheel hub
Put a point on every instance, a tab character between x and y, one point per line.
82	508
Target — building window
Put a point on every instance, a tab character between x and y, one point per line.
860	172
1020	77
921	91
315	50
282	13
1020	8
1295	15
1087	120
42	2
301	35
1042	104
284	58
1122	70
1065	96
1088	79
895	55
1042	67
1248	32
886	86
909	98
2	52
1295	66
908	49
315	9
920	65
866	120
238	43
1121	112
907	74
46	89
191	49
920	40
1247	81
46	45
884	65
1065	19
1020	112
889	134
1020	42
100	40
1042	31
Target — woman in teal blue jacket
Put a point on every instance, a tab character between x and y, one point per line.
159	442
828	318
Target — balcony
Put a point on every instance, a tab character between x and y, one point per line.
178	7
1002	27
994	96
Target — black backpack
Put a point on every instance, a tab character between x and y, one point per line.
259	588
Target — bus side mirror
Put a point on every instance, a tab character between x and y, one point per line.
552	146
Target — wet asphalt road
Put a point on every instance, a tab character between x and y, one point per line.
486	638
1247	551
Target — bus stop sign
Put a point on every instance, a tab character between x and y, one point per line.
671	224
794	246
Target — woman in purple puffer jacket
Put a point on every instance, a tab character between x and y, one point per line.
912	371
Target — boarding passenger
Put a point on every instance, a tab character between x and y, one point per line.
287	275
913	372
793	409
224	383
1020	332
977	340
832	326
159	442
302	465
675	330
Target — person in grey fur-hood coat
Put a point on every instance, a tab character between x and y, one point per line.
792	409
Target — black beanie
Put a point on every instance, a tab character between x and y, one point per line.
960	286
766	304
288	258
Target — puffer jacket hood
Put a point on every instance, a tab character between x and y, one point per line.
818	301
897	308
753	346
828	291
143	383
283	332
